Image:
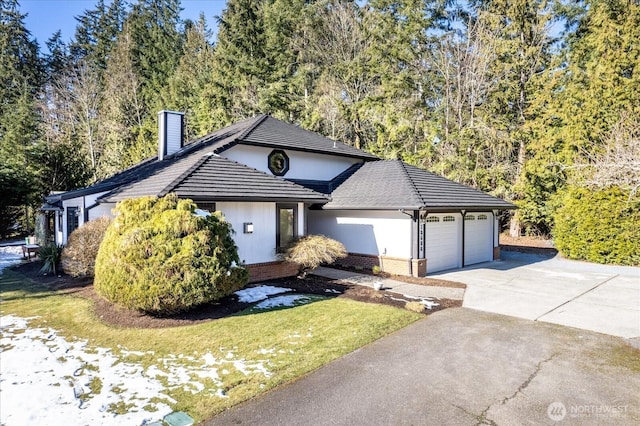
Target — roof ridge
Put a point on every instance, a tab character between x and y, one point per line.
246	132
167	189
416	192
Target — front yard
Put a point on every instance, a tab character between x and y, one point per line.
59	360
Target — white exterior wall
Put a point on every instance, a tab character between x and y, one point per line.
260	246
302	165
72	202
101	210
386	233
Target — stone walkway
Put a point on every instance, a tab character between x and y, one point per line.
415	290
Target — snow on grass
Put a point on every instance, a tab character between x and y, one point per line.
45	376
261	292
10	255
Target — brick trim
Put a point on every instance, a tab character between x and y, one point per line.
392	265
271	270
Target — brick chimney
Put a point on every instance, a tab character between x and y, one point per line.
170	133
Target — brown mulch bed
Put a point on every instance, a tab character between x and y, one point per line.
120	317
526	244
433	282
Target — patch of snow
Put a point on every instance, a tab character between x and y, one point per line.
330	290
283	301
10	255
201	213
426	301
256	294
45	376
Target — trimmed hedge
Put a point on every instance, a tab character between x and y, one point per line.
159	257
79	255
600	226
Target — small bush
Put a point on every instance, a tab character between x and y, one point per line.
50	255
415	307
79	255
314	250
157	256
599	226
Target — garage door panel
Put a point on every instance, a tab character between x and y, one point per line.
478	235
442	242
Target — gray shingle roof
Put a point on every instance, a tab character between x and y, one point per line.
275	133
214	178
220	179
261	130
393	184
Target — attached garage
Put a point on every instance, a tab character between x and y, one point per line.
442	240
478	238
446	225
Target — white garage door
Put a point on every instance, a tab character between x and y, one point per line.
478	235
442	240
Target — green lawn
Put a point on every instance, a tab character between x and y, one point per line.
288	342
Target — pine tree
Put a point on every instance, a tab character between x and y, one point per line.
21	77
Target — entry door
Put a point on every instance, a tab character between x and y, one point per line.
442	239
478	235
72	219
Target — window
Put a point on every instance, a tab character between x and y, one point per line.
433	219
470	217
286	217
203	205
482	217
278	162
448	219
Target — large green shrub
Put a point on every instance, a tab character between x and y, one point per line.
600	226
79	255
313	250
159	257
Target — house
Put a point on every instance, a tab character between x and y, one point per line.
274	182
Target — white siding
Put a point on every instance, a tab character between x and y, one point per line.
302	165
260	246
386	233
101	210
174	133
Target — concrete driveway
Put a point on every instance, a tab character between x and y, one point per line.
584	295
463	367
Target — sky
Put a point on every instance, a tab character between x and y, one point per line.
47	16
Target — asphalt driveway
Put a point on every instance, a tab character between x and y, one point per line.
464	367
584	295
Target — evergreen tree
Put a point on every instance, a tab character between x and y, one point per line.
188	87
595	81
21	77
